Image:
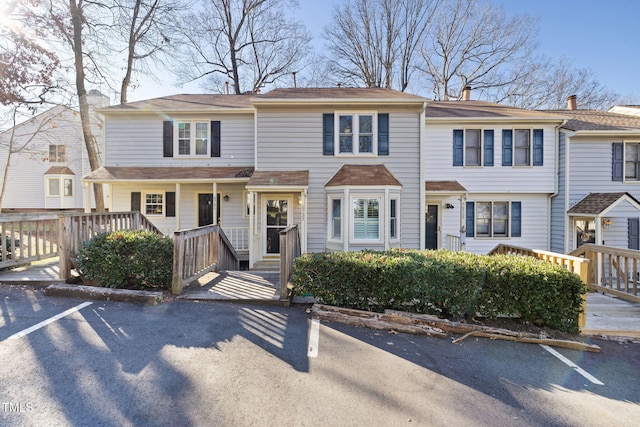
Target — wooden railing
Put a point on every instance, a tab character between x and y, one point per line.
199	251
612	270
238	236
454	242
575	264
24	239
75	229
289	251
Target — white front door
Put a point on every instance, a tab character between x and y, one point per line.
277	216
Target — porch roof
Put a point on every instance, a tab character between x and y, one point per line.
169	174
444	187
260	180
598	203
366	175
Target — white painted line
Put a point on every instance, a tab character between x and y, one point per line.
569	363
314	338
47	321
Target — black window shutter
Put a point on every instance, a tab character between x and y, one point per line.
215	138
634	233
471	219
167	138
538	147
617	163
507	147
383	134
136	198
458	147
170	201
488	147
516	219
327	134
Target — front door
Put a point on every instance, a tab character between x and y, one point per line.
205	209
277	218
585	231
431	228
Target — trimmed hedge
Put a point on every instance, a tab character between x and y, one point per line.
128	259
448	284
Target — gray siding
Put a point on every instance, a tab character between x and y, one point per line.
293	141
558	202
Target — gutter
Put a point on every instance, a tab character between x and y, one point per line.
555	181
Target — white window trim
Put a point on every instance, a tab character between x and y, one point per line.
192	145
464	148
382	208
388	220
61	179
143	203
513	148
64	147
330	199
492	236
356	129
624	162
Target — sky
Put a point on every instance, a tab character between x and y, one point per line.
601	35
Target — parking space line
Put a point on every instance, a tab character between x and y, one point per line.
314	338
47	321
568	362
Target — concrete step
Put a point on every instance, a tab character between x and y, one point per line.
268	265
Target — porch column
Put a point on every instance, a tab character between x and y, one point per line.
215	203
463	223
86	196
251	203
303	241
384	217
177	207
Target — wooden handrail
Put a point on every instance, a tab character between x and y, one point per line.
289	250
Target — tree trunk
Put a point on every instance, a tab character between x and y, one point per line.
89	139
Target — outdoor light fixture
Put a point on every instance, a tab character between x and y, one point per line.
606	222
448	206
226	197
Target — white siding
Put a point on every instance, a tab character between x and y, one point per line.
497	178
137	141
293	141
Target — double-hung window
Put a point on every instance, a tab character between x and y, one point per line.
154	204
472	147
355	133
57	184
336	219
393	219
57	153
632	162
522	147
192	138
494	219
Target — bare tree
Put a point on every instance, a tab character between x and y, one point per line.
251	43
146	26
474	43
26	74
375	42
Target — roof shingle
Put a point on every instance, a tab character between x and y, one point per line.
596	203
109	173
370	175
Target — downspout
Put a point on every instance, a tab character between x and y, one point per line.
555	179
422	190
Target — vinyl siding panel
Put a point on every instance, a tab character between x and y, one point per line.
294	141
498	178
558	202
137	141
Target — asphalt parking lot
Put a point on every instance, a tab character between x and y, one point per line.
75	362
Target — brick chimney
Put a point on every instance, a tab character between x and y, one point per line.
466	93
571	102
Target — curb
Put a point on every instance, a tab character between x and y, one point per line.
105	294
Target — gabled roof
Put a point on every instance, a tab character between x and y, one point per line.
59	170
461	110
598	203
596	120
444	187
337	95
185	103
279	179
363	175
169	174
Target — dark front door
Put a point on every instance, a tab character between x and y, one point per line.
431	229
205	209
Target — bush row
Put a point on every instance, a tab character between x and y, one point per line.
128	259
445	283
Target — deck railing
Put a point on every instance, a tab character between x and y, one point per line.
26	239
199	251
238	236
612	270
75	229
289	250
575	264
454	242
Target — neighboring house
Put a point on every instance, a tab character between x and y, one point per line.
490	175
49	159
598	179
344	164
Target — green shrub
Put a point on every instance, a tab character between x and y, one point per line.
448	284
128	259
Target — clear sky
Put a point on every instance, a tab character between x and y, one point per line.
601	35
